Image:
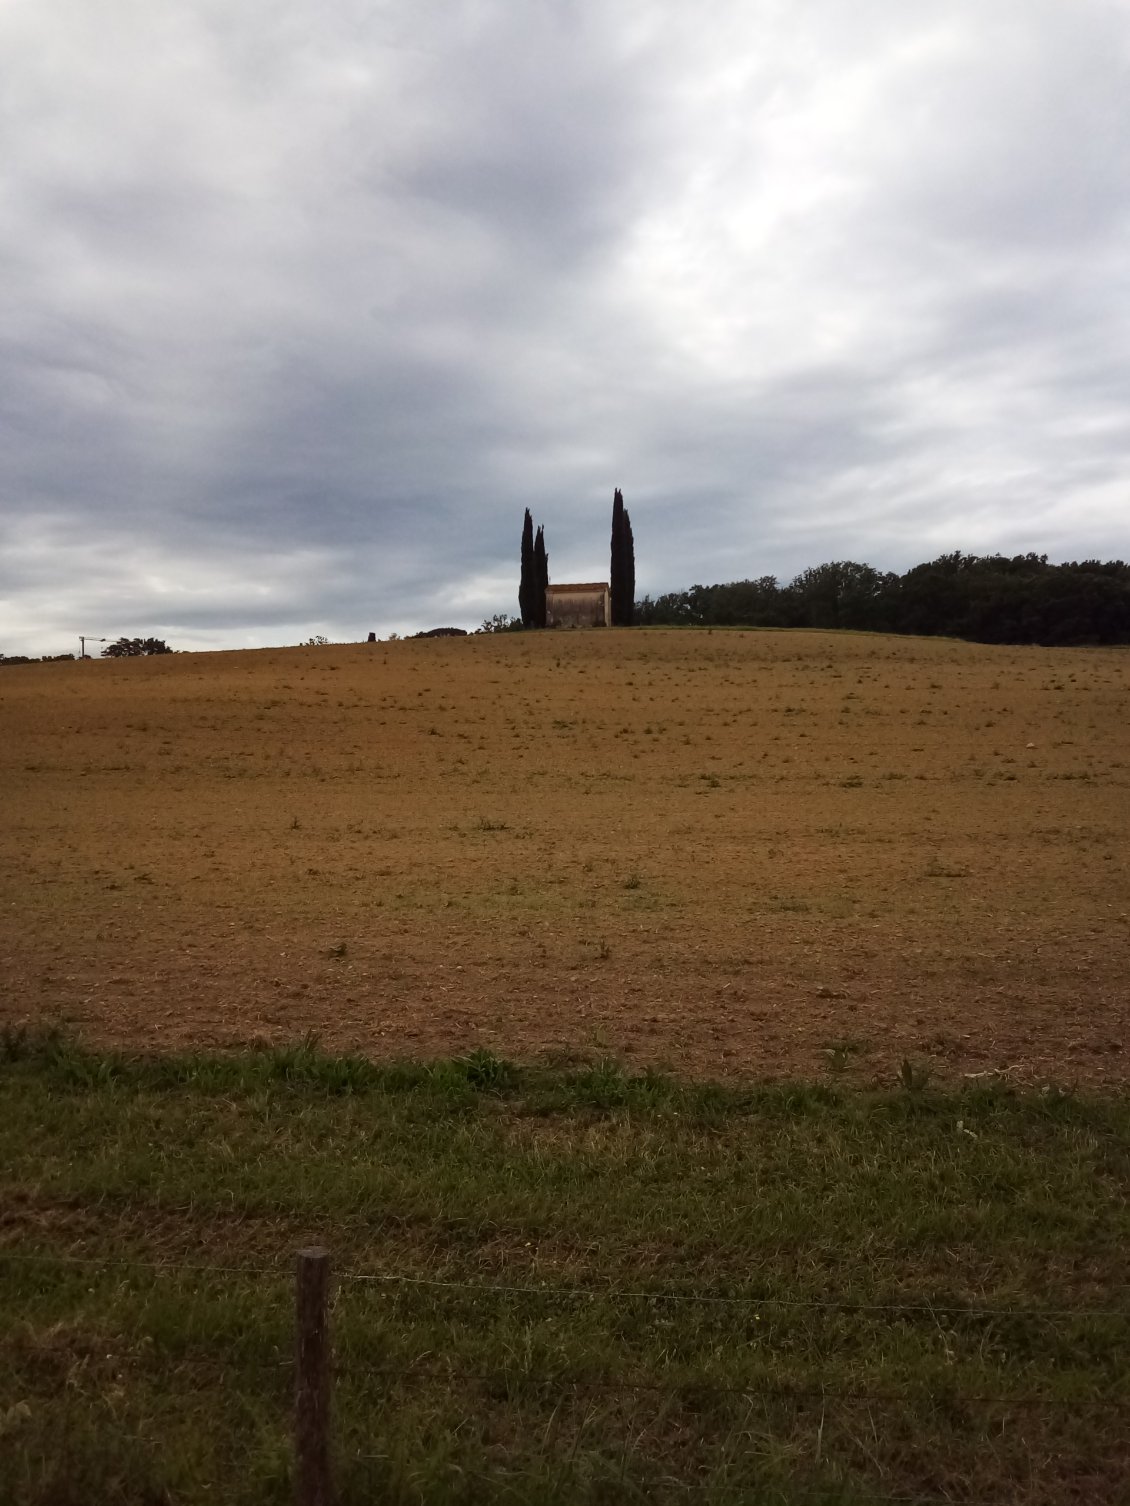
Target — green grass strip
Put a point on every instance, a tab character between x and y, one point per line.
556	1283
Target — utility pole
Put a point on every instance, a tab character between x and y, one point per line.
82	637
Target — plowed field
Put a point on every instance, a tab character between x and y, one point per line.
726	853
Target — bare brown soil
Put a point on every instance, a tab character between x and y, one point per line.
729	854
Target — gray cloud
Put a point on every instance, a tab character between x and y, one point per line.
301	305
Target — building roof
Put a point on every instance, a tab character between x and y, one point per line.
594	585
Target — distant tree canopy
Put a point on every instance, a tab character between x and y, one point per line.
133	648
987	599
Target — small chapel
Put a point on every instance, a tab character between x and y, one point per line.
583	605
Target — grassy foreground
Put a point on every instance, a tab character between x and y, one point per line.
590	1287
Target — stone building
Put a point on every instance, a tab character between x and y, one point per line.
584	605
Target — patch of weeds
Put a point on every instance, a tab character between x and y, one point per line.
604	1086
485	824
488	1073
303	1065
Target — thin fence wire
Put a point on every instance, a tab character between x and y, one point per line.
350	1365
355	1368
761	1386
730	1299
582	1293
223	1365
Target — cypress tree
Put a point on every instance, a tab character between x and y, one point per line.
622	574
527	584
614	568
628	574
541	578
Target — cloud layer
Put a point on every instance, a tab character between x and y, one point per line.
302	304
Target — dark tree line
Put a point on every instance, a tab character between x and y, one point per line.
45	659
987	599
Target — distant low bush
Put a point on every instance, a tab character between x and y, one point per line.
500	623
134	648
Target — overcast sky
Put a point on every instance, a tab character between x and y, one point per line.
303	302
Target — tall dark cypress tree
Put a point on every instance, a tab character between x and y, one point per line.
614	568
527	585
628	574
541	578
622	574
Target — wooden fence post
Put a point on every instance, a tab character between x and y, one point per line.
312	1478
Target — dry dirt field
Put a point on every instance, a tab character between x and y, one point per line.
725	853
